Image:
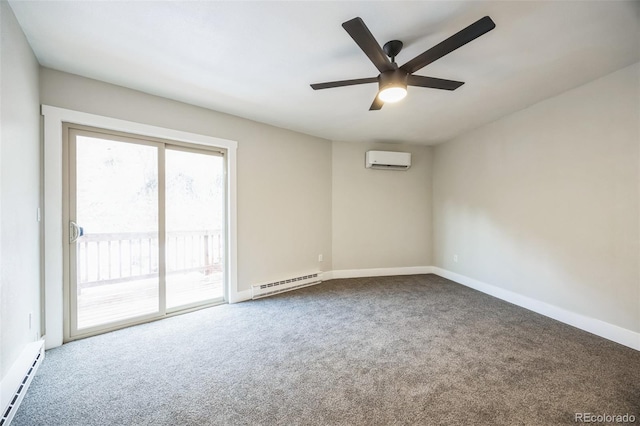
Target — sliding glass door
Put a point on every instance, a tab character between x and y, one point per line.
146	229
194	235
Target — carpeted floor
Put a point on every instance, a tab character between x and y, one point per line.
369	351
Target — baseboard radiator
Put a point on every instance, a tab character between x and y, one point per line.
16	398
280	286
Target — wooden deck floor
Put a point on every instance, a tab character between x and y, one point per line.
114	302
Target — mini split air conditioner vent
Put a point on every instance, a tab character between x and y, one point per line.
387	160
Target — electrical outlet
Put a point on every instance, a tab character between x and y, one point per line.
455	258
320	258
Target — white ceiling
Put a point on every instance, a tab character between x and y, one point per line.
257	59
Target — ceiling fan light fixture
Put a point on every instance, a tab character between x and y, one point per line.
392	94
392	86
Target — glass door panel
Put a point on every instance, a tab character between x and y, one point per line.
195	237
115	204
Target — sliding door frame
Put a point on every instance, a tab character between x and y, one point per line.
55	232
70	132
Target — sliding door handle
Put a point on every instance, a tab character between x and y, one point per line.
75	232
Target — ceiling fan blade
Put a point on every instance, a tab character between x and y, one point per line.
377	104
457	40
432	82
363	38
330	84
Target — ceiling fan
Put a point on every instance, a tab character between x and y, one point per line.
393	80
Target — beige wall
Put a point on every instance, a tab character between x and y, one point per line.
381	218
19	192
284	177
545	202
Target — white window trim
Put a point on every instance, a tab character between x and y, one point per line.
53	226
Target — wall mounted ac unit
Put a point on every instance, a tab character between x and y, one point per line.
387	160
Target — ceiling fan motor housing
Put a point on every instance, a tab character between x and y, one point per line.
393	78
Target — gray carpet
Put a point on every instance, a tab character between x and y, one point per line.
370	351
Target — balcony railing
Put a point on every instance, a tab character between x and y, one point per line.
111	258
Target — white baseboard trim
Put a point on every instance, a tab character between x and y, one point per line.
592	325
15	383
378	272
